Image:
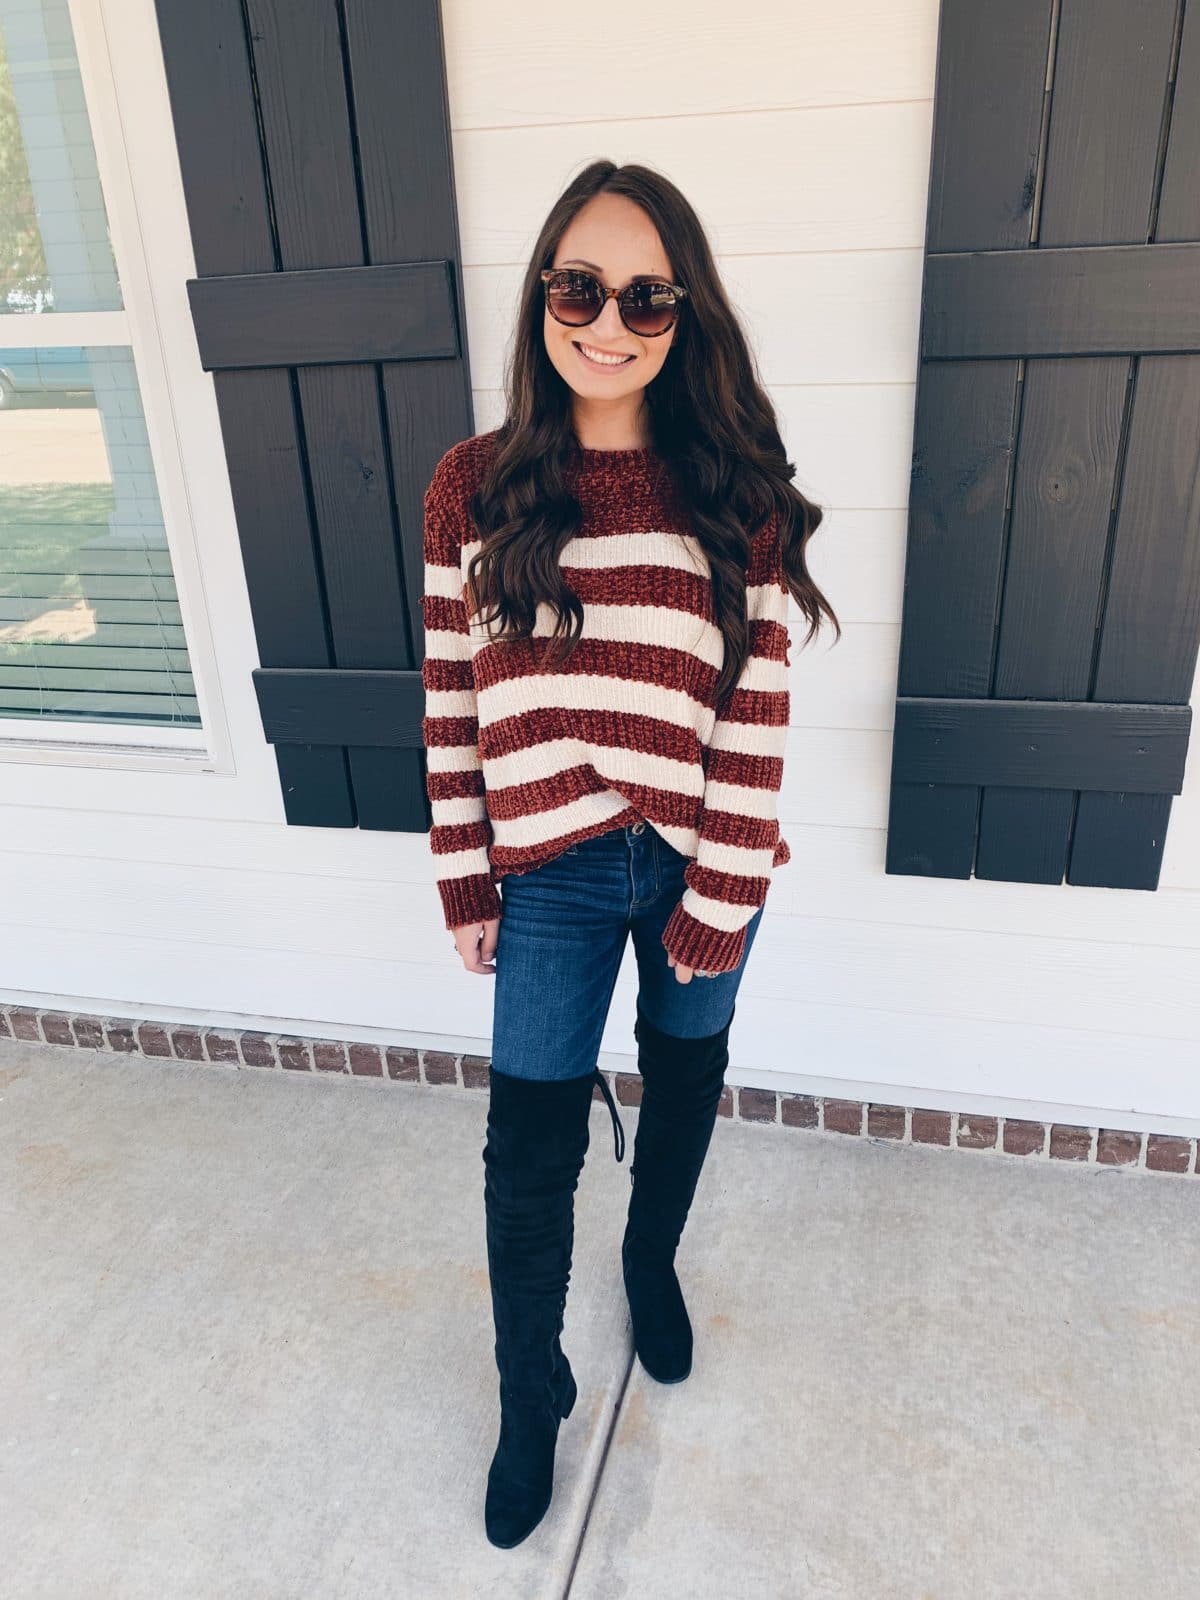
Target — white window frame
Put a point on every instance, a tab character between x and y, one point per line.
119	53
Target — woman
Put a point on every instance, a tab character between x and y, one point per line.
606	673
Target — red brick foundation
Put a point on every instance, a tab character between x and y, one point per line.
960	1130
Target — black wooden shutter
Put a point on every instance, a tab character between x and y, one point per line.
314	142
1052	581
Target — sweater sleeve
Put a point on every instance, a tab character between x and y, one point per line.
461	833
740	841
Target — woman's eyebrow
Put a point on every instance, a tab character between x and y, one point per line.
577	261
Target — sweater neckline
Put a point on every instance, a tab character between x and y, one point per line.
619	457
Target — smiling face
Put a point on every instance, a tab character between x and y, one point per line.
614	239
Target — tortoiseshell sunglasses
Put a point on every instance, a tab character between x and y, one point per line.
575	298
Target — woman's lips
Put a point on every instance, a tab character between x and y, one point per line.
599	366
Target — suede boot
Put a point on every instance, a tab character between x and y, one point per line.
682	1081
537	1137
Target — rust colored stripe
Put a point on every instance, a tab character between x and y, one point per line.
464	783
449	730
661	665
671	588
445	837
443	614
752	772
624	730
731	887
563	788
730	827
444	672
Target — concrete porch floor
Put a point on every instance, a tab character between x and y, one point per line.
245	1351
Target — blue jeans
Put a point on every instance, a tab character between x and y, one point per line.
563	928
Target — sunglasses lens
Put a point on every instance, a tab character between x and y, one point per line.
574	298
649	308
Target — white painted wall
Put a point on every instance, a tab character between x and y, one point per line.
801	130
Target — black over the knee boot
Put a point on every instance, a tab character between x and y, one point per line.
537	1137
682	1081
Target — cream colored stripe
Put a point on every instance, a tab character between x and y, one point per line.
598	552
621	766
764	675
449	702
735	859
462	863
444	644
519	697
517	833
451	758
767	601
717	914
750	738
444	582
741	799
665	626
459	811
602	553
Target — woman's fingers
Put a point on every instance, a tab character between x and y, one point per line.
476	944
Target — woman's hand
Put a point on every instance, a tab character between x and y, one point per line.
686	974
476	944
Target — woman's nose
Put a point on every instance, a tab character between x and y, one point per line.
609	321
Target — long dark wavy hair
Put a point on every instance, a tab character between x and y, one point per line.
710	420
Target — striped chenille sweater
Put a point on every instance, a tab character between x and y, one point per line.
522	762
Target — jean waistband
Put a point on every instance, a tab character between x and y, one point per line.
624	833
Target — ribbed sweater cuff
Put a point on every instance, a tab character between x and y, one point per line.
467	900
699	946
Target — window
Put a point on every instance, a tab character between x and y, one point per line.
90	626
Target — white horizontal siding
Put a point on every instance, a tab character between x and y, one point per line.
516	65
109	871
801	131
775	182
820	952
